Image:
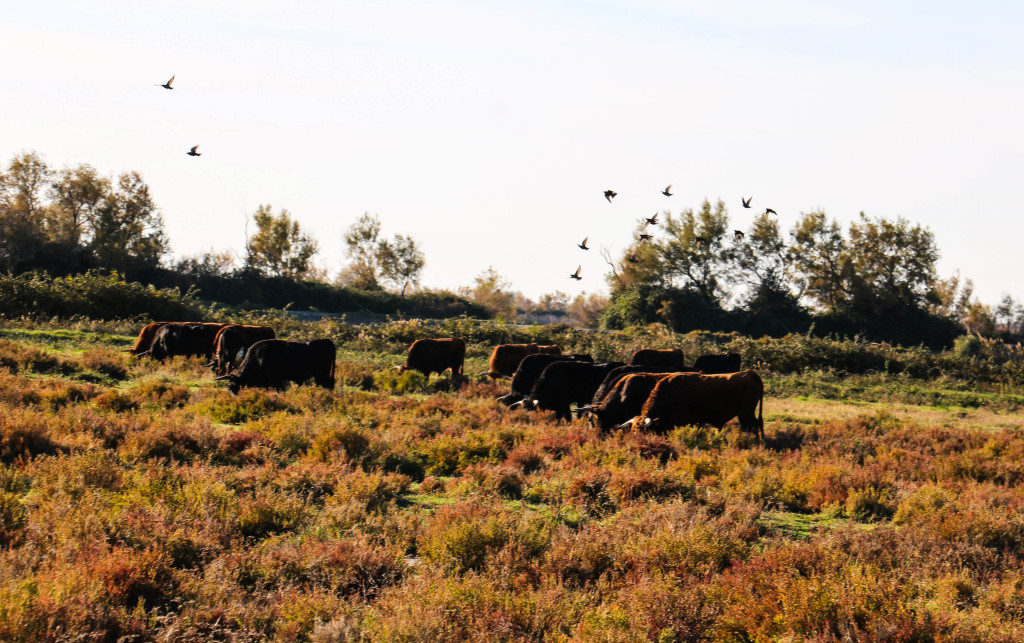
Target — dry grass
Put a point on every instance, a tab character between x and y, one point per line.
141	501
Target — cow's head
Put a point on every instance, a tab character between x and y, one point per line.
594	415
527	403
234	384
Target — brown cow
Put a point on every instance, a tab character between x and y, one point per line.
505	358
693	398
145	338
624	400
667	359
436	356
233	339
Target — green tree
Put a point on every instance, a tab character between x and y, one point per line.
279	247
892	264
694	253
821	259
362	240
22	221
400	261
125	232
78	193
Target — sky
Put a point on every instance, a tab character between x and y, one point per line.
488	131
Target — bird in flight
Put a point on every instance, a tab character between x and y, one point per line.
610	194
583	246
667	191
193	152
746	202
737	234
644	237
700	241
770	211
576	275
167	85
651	221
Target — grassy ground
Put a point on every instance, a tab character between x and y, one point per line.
141	501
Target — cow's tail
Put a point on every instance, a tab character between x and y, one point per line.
760	414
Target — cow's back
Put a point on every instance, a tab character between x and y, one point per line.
667	358
718	364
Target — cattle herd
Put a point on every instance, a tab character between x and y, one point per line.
654	391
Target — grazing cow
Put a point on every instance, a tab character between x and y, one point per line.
718	364
618	373
189	339
145	338
436	356
624	400
233	339
694	398
529	371
505	358
272	363
567	382
668	359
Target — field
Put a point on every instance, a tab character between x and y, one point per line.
141	501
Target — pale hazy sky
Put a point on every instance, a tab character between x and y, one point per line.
489	130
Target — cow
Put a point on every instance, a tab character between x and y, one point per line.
718	364
183	338
624	400
529	370
668	359
436	356
618	373
505	358
145	338
233	339
272	363
695	398
564	383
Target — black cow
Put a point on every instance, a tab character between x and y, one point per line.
624	400
718	364
667	358
529	371
565	383
272	363
191	340
617	374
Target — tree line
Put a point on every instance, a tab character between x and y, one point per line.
876	277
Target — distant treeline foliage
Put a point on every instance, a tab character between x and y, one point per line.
878	280
95	296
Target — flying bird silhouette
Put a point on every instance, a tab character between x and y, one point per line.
770	211
583	246
652	221
666	191
644	237
610	194
737	234
746	202
167	85
576	275
193	152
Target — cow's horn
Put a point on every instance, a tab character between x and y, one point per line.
146	352
222	377
625	425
